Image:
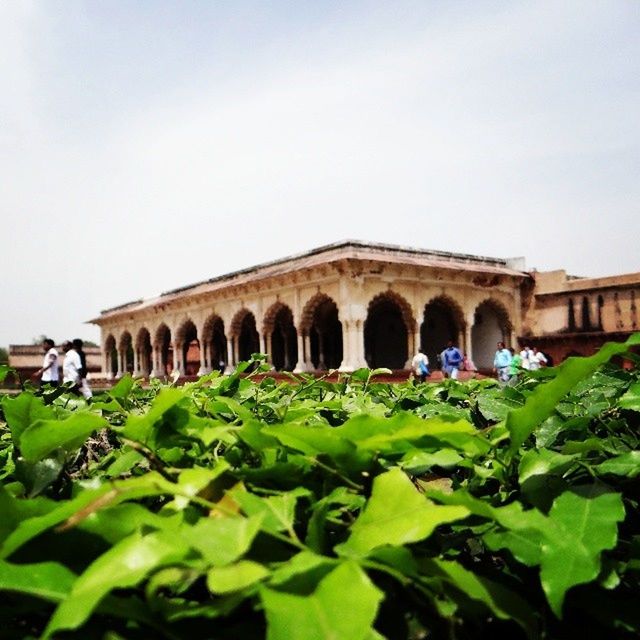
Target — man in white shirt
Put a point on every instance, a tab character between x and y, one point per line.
526	354
71	367
420	365
48	373
537	360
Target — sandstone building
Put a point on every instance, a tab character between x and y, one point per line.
353	304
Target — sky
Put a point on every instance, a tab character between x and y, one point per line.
149	144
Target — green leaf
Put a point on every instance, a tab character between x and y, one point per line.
503	602
396	514
222	541
44	436
47	580
122	388
544	398
534	463
343	607
22	411
631	399
144	428
584	527
627	465
235	577
124	565
278	511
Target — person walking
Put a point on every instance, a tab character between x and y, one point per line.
85	389
71	367
48	372
501	362
420	365
451	361
538	359
515	366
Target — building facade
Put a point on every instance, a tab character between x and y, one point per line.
342	306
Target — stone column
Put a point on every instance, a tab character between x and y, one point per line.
136	362
301	364
177	359
306	341
353	345
263	342
267	339
204	368
411	347
108	374
230	356
122	355
468	347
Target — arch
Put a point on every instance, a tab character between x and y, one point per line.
282	337
125	347
143	351
164	349
214	343
386	330
571	320
601	306
189	348
586	314
110	356
322	332
491	324
442	322
245	334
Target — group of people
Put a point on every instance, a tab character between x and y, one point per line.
507	364
74	367
451	360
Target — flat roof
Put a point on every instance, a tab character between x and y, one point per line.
346	249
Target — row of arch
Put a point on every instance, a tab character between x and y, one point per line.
389	337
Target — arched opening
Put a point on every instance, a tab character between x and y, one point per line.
386	331
246	335
322	332
165	350
143	352
571	320
110	357
215	344
586	314
491	325
283	337
126	353
442	323
601	306
189	345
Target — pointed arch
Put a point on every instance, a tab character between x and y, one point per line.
491	324
189	348
125	347
442	322
143	351
245	334
387	329
322	333
281	336
214	343
164	346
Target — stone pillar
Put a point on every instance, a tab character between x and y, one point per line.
108	374
353	345
301	365
468	347
122	360
411	347
230	356
306	342
204	368
267	339
177	359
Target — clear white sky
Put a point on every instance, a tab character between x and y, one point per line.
148	144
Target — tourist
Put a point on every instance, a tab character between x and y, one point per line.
538	359
469	365
71	367
515	366
420	365
48	373
451	361
85	389
526	354
501	363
